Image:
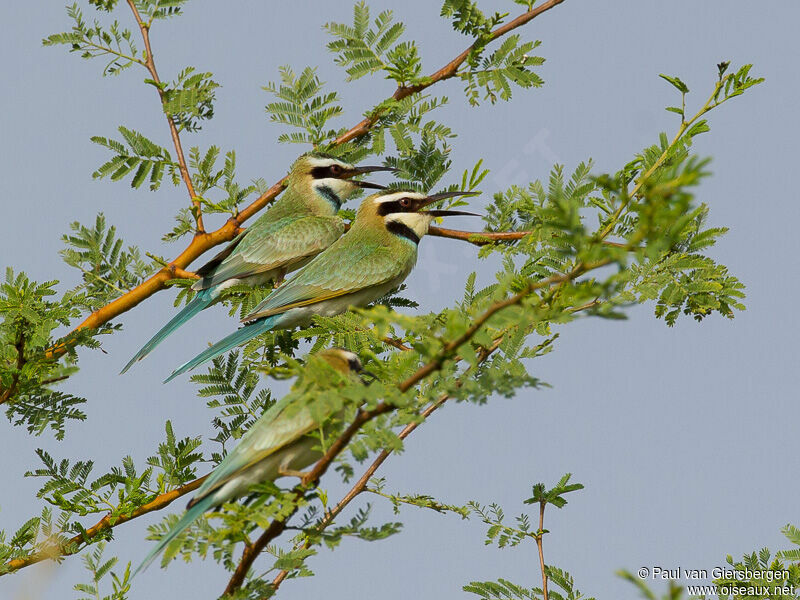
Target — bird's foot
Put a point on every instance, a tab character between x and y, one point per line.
284	472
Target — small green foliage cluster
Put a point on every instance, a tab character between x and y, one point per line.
114	44
190	99
146	157
109	269
36	318
93	562
302	105
510	64
561	583
758	575
72	490
363	48
208	178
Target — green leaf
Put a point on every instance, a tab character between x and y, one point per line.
676	83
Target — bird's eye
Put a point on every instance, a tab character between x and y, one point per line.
336	170
405	202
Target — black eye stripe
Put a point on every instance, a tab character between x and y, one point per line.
325	172
387	208
355	364
402	230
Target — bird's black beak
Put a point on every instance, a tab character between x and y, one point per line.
369	185
445	213
363	374
363	170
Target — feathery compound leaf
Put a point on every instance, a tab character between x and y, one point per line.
190	99
469	19
510	64
363	50
46	409
142	157
159	9
301	104
109	270
502	589
114	44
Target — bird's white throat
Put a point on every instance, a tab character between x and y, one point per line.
416	222
341	189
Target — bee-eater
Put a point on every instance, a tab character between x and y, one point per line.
371	259
277	444
301	224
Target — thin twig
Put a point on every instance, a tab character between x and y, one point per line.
482	238
539	537
446	72
395	343
76	544
150	65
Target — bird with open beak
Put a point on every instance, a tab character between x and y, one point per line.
299	225
374	257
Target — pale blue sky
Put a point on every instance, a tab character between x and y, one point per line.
683	436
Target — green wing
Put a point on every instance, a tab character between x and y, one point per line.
348	266
275	429
273	244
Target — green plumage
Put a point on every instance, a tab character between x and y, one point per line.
277	442
276	243
372	257
299	225
285	422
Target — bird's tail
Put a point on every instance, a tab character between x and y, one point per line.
187	519
202	300
237	338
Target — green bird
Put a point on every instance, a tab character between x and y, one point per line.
298	226
371	259
277	445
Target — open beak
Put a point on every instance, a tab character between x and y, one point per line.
445	213
363	170
369	185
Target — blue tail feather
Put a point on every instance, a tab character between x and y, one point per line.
237	338
201	301
187	519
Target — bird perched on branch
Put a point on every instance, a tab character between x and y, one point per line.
297	227
278	444
371	259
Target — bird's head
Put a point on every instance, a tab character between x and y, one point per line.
404	213
342	360
330	178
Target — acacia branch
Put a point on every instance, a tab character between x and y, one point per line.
446	72
311	478
203	241
150	65
482	238
362	482
539	544
76	543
